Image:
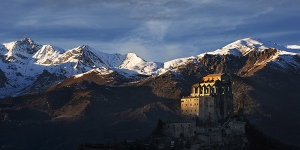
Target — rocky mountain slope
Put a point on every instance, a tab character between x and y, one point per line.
83	95
25	65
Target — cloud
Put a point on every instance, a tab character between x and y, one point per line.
156	27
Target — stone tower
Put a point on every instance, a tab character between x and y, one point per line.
210	101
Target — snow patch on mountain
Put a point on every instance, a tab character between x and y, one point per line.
173	64
293	46
23	61
244	46
47	54
136	64
99	71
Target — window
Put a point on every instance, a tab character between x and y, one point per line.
205	90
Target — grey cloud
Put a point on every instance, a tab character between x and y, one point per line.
151	28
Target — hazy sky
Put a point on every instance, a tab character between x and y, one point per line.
156	30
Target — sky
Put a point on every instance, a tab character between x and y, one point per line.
156	30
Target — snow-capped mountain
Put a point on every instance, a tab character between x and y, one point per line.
23	62
125	92
261	53
244	46
26	65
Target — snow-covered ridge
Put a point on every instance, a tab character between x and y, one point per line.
23	61
47	54
293	46
83	58
99	71
244	46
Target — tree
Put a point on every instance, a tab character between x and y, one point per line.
181	135
159	124
131	147
181	144
158	131
176	145
188	144
153	147
167	145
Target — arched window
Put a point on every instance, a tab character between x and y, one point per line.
201	89
212	90
206	90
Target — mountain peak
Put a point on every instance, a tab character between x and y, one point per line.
25	39
261	43
24	44
25	58
84	49
132	55
244	46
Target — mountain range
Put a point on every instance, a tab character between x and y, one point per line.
54	98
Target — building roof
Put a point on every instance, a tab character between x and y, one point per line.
209	75
215	77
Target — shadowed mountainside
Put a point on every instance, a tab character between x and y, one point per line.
97	107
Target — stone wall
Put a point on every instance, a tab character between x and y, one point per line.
180	129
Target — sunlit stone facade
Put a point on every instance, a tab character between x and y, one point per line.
211	100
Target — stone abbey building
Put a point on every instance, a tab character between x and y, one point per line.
207	115
210	101
208	120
